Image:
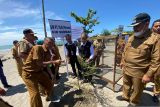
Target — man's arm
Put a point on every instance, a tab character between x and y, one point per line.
92	52
77	51
155	62
37	56
22	51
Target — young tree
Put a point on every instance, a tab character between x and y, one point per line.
88	22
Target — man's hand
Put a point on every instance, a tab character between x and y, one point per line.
56	61
88	60
121	65
146	79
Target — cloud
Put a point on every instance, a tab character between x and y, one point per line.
12	9
17	9
7	38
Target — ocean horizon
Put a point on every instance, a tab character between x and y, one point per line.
8	47
5	47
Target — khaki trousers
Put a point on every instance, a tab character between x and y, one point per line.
132	88
157	85
19	64
32	80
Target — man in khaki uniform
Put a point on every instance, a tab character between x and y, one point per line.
140	60
26	44
33	73
18	60
156	91
98	49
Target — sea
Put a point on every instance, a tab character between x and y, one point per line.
8	47
5	47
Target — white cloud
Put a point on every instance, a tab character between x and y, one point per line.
14	10
7	38
18	10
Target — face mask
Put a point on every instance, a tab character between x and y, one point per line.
138	34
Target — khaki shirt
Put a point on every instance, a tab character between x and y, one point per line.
15	52
98	47
141	55
24	47
34	62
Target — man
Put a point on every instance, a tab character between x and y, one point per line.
2	76
140	59
86	49
156	91
98	49
86	52
33	73
71	50
26	44
18	60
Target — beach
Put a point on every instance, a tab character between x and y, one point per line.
99	95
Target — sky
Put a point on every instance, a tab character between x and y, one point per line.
16	15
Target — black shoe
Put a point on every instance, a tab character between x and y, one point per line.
7	86
121	98
155	99
56	99
57	77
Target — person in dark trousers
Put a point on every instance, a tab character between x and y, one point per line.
86	52
3	77
71	50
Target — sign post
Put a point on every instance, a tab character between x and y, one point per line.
120	30
59	28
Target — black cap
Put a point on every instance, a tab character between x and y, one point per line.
15	41
139	18
28	31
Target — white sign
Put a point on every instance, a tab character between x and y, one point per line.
76	32
59	28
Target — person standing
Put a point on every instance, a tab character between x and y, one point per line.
86	53
71	50
156	91
26	44
140	59
18	60
2	76
98	49
34	74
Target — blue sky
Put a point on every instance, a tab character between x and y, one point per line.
15	15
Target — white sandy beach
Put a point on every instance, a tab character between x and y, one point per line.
19	97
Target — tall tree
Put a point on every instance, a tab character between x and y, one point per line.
88	22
